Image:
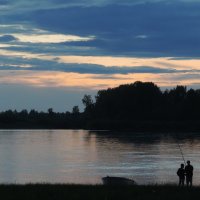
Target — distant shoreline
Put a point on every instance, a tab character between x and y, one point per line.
114	125
136	107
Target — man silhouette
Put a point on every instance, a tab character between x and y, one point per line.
181	175
189	173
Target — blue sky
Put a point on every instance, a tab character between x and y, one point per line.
52	52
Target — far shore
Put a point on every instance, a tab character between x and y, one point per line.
163	127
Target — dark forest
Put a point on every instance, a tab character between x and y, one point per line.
141	106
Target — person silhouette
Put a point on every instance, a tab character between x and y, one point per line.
189	173
181	175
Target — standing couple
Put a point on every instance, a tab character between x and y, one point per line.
185	172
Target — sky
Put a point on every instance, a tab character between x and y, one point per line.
52	52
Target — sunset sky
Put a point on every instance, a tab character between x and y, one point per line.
52	52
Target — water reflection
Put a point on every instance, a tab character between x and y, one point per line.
68	156
150	157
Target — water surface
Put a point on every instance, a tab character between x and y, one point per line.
68	156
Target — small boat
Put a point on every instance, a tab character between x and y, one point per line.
109	180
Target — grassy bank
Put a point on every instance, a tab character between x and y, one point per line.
79	192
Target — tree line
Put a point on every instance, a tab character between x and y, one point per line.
137	106
143	105
35	119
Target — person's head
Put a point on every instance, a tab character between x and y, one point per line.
182	165
188	162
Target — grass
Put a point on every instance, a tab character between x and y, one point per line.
96	192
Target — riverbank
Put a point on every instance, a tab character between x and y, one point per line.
112	125
96	192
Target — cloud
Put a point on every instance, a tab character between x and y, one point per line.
7	38
4	2
46	4
50	38
139	30
142	28
141	37
48	57
117	28
29	34
44	79
34	64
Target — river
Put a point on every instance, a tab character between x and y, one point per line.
79	156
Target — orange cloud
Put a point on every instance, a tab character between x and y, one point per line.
90	81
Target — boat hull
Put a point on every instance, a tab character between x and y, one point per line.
117	181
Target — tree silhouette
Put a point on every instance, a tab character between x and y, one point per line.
138	106
75	110
89	105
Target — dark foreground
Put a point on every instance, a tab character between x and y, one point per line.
98	192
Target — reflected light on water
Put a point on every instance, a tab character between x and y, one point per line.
67	156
